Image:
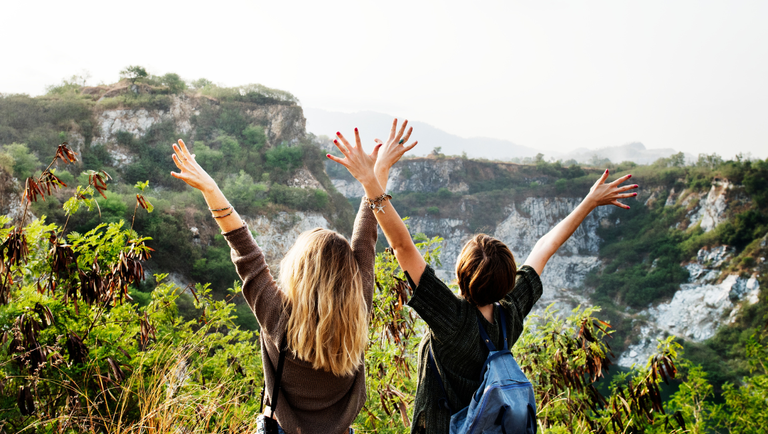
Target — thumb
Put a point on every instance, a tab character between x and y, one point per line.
375	152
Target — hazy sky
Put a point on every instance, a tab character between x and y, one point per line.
554	75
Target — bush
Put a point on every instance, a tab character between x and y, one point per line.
24	162
216	266
284	157
254	137
173	82
246	195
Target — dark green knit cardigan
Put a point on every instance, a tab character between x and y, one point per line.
455	341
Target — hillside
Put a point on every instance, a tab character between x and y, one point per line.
687	260
251	139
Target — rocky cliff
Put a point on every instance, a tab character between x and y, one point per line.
712	297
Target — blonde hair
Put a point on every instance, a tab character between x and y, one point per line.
328	324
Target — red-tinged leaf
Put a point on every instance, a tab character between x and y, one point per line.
404	414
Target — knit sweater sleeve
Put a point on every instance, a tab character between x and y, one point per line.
364	248
437	305
527	291
259	288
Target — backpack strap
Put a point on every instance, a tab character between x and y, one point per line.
279	376
502	324
442	402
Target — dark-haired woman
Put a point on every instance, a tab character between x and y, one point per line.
487	274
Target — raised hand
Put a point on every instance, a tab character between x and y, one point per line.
191	172
359	164
603	193
395	146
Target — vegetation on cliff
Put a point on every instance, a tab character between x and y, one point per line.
78	360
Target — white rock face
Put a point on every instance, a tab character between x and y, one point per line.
136	122
303	178
565	272
526	223
697	309
712	207
419	174
275	236
349	189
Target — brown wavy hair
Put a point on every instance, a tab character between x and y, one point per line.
486	270
328	324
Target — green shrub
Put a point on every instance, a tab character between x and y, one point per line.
444	194
284	157
24	162
244	194
254	137
216	266
173	82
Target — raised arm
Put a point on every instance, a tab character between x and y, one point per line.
369	171
600	194
194	175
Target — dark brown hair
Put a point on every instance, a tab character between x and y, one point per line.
486	270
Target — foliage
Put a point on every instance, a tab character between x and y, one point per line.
394	335
23	161
134	73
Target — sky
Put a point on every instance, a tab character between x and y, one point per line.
552	75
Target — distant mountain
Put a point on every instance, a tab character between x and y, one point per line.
634	151
376	125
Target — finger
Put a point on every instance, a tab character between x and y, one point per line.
392	131
619	204
343	140
184	148
603	178
336	159
178	151
177	175
341	147
358	143
625	195
624	188
407	135
377	141
402	129
375	152
178	163
409	147
622	179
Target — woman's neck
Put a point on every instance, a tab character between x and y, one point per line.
487	312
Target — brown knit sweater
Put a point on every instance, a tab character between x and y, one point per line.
310	401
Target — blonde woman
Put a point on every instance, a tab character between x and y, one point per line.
320	309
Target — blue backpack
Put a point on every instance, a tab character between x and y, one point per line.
504	403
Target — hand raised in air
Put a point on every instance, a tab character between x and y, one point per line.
603	193
395	146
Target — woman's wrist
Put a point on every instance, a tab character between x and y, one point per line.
382	175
